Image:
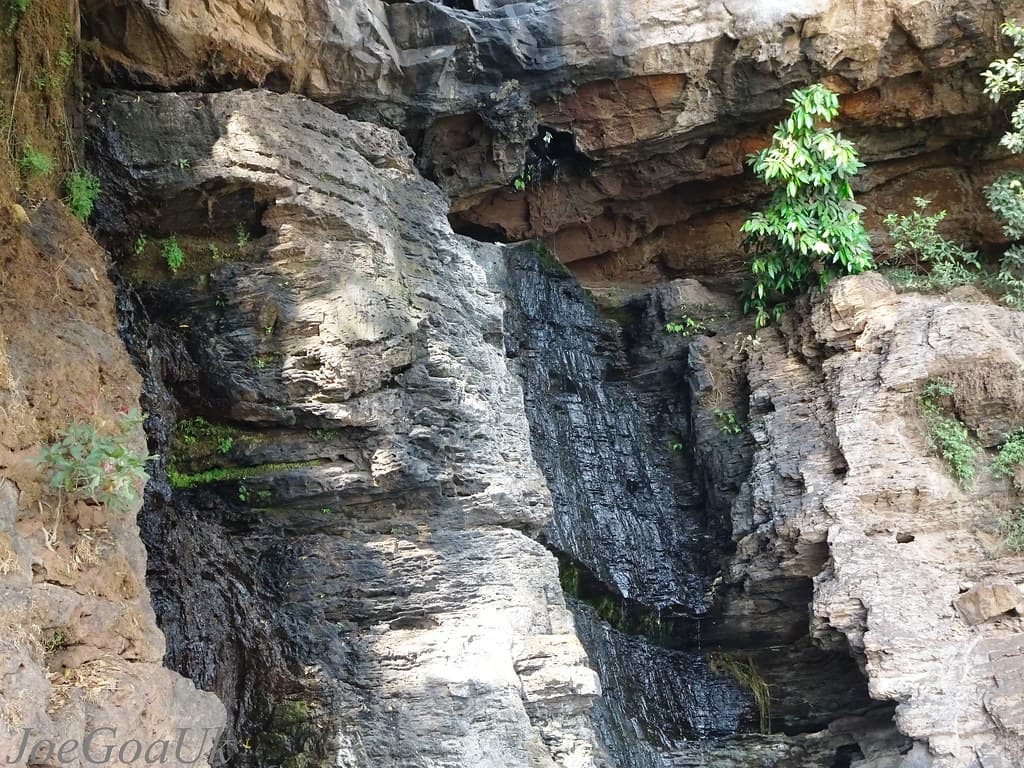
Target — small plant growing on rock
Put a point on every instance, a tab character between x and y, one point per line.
82	189
34	163
947	435
172	254
95	467
811	230
727	422
917	245
685	325
241	236
15	10
1012	530
1010	456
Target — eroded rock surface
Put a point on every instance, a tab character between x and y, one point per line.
625	123
413	619
864	507
79	645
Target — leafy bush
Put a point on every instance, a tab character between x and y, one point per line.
95	467
1010	456
1012	529
1006	76
811	230
1005	195
34	163
685	325
947	435
15	10
172	254
82	189
917	244
727	422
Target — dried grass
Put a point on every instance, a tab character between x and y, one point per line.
94	678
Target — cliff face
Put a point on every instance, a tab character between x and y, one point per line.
376	434
80	649
625	123
906	550
395	609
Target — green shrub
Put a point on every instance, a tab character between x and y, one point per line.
1010	456
1005	195
1006	76
34	163
917	245
82	189
685	325
727	422
947	435
95	467
15	10
811	230
172	254
1012	530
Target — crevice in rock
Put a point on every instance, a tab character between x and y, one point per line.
647	649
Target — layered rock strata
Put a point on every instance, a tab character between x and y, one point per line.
379	485
846	490
81	658
623	125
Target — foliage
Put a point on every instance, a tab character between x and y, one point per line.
1010	456
917	243
727	422
947	435
224	444
811	230
685	325
746	673
1005	195
179	479
82	189
1006	76
96	467
15	10
34	163
1012	529
241	236
140	244
172	254
1005	198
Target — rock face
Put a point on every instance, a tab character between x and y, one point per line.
625	123
79	645
379	479
348	556
845	490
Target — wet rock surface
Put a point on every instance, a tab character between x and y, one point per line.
377	602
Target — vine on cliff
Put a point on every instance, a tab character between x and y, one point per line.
811	230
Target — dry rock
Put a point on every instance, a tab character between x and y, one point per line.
986	601
895	535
